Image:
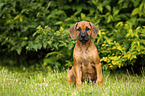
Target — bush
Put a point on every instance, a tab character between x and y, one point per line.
59	45
120	41
124	47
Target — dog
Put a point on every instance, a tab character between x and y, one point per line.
87	65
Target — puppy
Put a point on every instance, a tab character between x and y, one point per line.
87	64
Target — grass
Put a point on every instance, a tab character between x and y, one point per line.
40	83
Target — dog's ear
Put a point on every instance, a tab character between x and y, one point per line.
94	30
72	31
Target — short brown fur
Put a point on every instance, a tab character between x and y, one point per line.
87	64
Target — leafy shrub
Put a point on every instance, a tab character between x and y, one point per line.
124	47
120	41
19	19
58	43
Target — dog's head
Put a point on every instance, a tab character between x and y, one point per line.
83	30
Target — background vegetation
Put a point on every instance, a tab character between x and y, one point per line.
34	33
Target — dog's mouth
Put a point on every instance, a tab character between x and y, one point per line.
84	40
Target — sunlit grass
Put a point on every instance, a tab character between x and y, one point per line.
34	83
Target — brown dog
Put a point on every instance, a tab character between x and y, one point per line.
87	64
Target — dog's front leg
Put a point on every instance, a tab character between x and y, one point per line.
99	74
78	75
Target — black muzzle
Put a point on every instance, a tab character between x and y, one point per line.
83	37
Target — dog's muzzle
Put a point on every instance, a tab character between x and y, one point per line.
83	37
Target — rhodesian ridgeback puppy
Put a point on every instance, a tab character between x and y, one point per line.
87	64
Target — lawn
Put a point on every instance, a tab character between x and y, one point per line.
25	82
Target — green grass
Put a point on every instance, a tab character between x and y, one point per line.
40	83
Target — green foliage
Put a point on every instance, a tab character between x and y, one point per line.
19	19
124	47
59	45
42	26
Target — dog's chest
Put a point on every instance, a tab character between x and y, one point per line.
87	64
85	57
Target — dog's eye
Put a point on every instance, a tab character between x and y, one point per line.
87	29
79	29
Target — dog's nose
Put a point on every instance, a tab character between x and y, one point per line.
83	35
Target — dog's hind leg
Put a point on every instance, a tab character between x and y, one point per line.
70	76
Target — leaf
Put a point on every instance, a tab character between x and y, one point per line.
16	17
58	23
1	4
21	19
130	30
83	15
109	18
70	46
18	50
127	26
108	7
63	45
95	2
44	45
77	12
120	1
68	63
100	8
141	6
23	43
52	53
35	47
140	19
130	33
116	12
120	24
135	11
135	2
66	7
68	19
